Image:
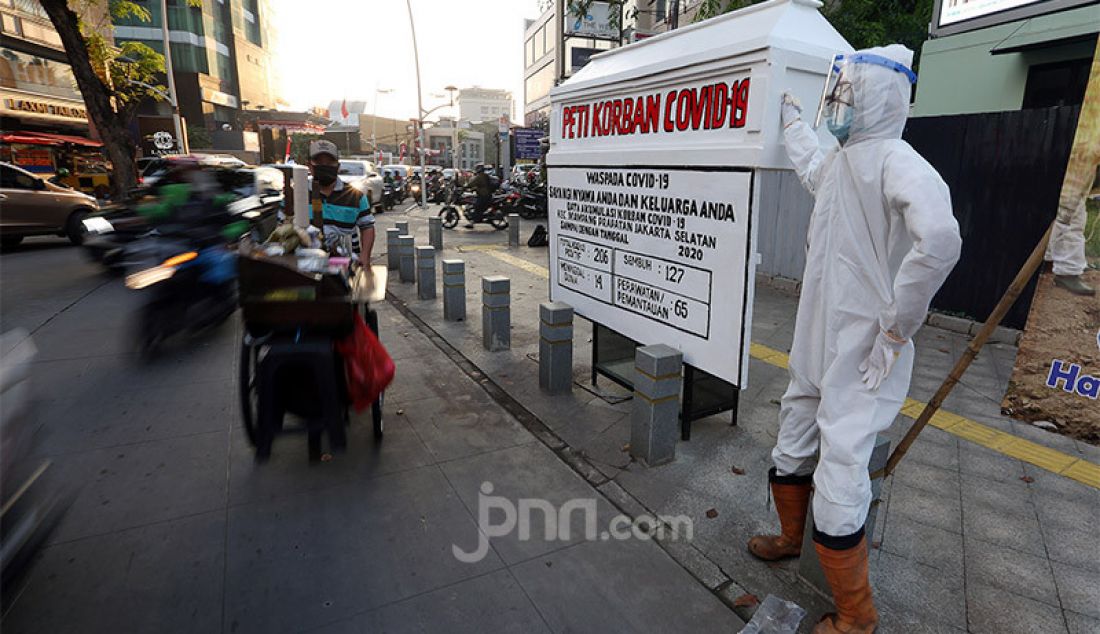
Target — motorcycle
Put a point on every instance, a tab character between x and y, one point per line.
494	215
389	197
186	287
532	202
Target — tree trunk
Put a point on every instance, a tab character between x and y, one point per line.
97	98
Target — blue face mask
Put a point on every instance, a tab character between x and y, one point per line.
841	129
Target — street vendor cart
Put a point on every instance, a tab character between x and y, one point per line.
295	315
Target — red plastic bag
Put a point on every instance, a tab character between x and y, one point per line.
368	366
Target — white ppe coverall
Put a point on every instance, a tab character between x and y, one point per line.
882	239
1067	242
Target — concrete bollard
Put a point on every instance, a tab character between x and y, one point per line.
393	258
496	313
809	566
655	419
513	230
403	227
556	347
435	233
405	251
454	290
425	272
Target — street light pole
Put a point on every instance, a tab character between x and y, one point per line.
374	122
454	130
171	78
419	108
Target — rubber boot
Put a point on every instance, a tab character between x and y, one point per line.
792	498
1074	284
846	571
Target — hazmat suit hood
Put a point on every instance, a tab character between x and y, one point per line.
881	95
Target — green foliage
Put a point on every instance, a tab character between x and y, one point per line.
198	136
864	23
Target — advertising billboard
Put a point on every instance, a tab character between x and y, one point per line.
596	23
957	16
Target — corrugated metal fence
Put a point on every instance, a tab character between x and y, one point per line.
1005	170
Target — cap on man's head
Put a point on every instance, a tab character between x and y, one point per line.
322	146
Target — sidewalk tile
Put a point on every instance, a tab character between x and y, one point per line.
1081	624
165	577
489	603
288	471
456	427
133	485
923	476
528	472
598	587
994	611
941	510
922	590
324	555
924	544
1011	570
979	461
1079	589
1009	527
1074	546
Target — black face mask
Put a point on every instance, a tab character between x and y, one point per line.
325	174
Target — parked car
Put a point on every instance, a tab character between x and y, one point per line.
30	206
353	171
258	198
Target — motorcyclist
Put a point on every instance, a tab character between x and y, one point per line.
61	174
483	187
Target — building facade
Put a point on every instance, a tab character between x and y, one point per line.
221	58
1035	62
484	104
38	92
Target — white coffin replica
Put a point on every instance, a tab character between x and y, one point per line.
657	152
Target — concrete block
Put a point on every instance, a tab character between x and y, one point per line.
556	347
425	272
658	360
393	258
407	263
495	284
950	322
496	314
654	430
496	328
454	290
403	227
513	230
655	411
809	566
555	313
435	232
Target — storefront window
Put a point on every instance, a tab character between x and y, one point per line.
22	71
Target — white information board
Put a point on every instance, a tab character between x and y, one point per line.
659	254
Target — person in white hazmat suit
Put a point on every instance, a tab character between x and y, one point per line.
882	239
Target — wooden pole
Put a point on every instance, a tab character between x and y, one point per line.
1006	302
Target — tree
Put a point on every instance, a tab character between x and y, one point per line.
863	23
112	80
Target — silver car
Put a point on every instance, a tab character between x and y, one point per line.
30	206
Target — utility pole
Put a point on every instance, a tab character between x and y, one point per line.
419	109
674	16
180	141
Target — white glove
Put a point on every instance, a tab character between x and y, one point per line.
790	110
884	354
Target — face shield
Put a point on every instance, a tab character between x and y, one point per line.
837	97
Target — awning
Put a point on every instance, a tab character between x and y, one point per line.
46	138
28	139
1026	40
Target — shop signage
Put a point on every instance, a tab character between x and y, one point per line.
53	109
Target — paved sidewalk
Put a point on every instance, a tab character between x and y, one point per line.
176	529
968	538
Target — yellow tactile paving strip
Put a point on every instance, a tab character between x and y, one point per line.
1052	460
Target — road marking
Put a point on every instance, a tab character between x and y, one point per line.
1057	462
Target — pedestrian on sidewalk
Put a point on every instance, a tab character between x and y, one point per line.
882	239
344	210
